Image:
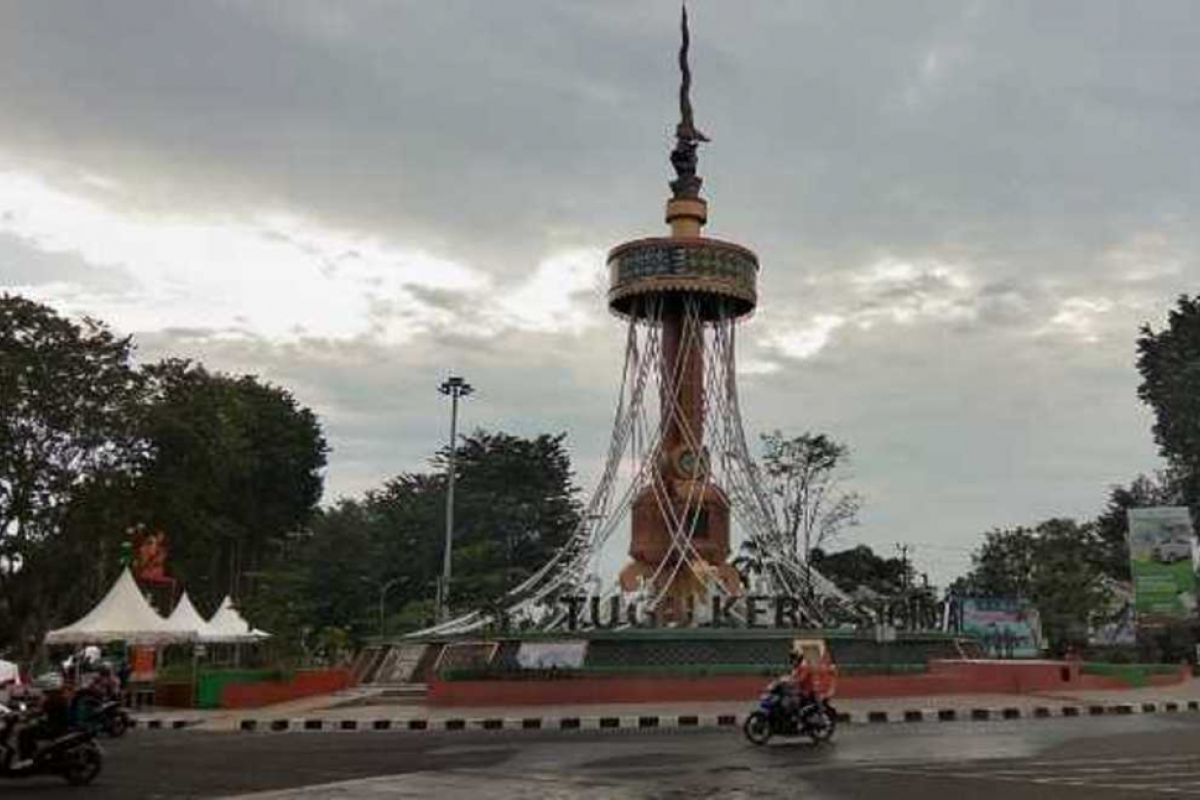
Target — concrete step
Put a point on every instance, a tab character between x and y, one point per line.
410	694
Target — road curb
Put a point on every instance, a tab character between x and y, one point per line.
649	722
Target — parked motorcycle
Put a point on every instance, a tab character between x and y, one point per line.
72	754
816	719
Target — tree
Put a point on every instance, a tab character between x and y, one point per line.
322	578
236	468
1004	564
1169	362
861	567
1057	566
1068	587
803	477
1112	526
68	428
515	505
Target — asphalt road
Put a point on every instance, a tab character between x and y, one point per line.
1097	759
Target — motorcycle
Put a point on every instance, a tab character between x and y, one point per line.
815	718
101	715
72	755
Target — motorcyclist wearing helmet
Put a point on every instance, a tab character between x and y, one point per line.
801	683
106	684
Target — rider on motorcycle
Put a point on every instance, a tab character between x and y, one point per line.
809	684
49	720
800	683
106	685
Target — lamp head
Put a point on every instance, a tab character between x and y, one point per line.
455	386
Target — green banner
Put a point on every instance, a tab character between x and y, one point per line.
1162	553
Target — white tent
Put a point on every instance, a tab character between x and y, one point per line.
186	619
123	615
227	625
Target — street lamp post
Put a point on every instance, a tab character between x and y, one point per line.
455	387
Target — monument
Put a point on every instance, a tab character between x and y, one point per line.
679	475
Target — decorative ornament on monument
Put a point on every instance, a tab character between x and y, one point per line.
679	475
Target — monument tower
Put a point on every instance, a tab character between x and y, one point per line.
682	283
679	476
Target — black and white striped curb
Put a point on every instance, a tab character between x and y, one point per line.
661	721
163	723
1015	712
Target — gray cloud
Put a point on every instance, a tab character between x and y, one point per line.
1023	172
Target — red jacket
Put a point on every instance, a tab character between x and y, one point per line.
804	678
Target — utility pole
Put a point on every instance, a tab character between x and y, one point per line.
902	549
455	387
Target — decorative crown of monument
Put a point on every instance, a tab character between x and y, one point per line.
686	185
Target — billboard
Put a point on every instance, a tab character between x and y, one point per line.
1162	554
1117	623
1005	626
552	655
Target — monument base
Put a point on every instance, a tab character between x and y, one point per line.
707	664
728	654
961	677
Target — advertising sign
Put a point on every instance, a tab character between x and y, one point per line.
1006	627
552	655
1117	625
1162	553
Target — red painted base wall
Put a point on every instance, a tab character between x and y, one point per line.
302	684
943	677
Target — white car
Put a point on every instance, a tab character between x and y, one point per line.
1171	551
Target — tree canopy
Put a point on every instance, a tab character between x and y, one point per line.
69	402
236	467
1169	363
92	446
860	566
803	475
373	562
1057	565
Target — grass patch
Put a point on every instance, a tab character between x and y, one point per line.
1132	675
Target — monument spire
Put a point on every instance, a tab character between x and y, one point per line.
687	137
686	210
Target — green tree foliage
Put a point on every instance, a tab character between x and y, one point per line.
236	468
1112	526
322	577
861	567
69	401
515	504
1169	362
1058	565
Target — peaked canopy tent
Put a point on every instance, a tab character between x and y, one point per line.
186	619
227	625
122	615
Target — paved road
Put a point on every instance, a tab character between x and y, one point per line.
1096	759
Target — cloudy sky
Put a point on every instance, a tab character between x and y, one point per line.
964	211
